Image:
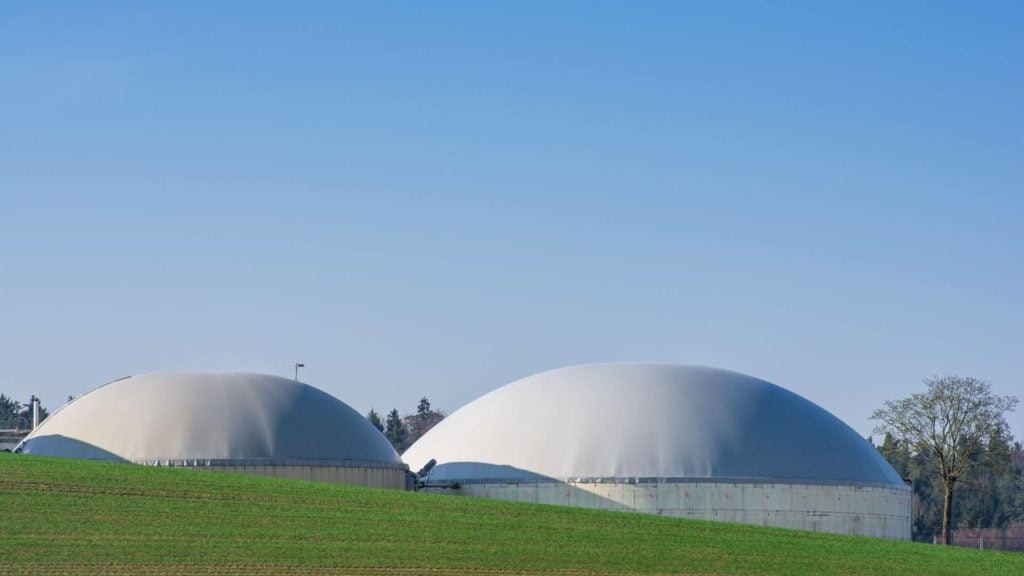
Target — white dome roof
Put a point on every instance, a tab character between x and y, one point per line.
211	418
647	421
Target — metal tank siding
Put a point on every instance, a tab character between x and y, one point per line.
233	422
671	440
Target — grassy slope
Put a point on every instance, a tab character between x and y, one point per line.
69	516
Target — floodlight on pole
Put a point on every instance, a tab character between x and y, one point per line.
298	365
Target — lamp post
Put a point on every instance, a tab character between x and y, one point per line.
298	365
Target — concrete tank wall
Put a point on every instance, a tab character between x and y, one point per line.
375	477
862	510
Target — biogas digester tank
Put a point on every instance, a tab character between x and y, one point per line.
237	422
671	440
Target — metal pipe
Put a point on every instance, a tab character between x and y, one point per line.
35	412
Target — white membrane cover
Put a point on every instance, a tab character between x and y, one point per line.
211	419
647	421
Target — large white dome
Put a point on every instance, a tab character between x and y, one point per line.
212	419
639	422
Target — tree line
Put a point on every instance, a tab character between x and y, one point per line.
991	495
402	431
16	415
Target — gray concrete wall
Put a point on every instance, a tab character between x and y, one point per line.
862	510
358	475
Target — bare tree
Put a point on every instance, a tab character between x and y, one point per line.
952	422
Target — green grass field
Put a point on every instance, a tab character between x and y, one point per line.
73	517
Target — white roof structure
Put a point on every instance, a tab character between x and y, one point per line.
636	422
211	419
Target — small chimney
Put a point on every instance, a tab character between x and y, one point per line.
35	412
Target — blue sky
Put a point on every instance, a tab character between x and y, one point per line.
435	200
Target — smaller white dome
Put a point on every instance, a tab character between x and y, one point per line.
212	419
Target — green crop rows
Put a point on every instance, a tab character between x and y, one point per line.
73	517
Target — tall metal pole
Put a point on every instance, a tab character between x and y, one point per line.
298	365
35	412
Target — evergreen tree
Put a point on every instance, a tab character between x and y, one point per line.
422	421
981	496
9	412
1014	485
423	412
396	432
897	453
374	419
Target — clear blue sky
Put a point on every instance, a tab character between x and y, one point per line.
435	200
